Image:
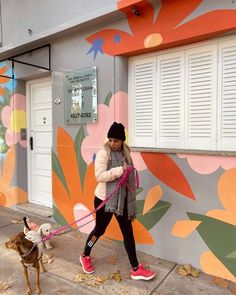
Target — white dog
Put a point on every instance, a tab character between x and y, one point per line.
43	230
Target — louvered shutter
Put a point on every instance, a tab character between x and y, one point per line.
227	96
170	100
201	97
142	83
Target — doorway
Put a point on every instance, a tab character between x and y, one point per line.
39	126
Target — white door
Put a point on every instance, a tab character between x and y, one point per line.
39	103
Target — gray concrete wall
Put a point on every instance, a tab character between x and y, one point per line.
46	17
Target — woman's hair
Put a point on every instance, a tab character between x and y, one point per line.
126	151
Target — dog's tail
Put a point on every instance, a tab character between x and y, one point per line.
25	219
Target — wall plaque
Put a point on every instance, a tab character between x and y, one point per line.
81	96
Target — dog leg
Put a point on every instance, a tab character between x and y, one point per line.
42	268
47	245
37	289
26	275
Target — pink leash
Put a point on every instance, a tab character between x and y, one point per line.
123	180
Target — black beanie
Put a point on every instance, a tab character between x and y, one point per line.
117	131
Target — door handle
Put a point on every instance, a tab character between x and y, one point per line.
31	143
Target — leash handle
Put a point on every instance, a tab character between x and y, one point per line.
122	180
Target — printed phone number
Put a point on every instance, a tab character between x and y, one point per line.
81	115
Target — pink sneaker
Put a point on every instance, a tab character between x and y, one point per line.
142	273
86	264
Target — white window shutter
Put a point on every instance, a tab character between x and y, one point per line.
201	97
227	96
142	88
170	100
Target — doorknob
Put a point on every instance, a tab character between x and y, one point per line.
31	143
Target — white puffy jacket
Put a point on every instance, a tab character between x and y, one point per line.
102	174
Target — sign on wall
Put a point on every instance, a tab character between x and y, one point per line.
81	96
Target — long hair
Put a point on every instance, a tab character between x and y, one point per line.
126	151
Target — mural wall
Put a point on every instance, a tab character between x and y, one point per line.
12	119
186	203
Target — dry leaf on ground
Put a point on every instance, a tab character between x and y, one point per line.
4	286
101	279
221	282
81	278
187	269
115	276
47	258
17	221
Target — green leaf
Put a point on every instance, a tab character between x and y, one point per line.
82	166
56	167
108	99
232	255
220	238
153	216
58	216
139	190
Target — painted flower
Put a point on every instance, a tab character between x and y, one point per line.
10	195
208	164
97	133
167	28
14	119
218	230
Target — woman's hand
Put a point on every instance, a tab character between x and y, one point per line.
125	166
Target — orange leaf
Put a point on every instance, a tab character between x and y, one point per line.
63	202
9	166
184	228
68	160
210	264
165	169
153	196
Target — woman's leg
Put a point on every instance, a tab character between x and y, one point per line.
127	232
102	220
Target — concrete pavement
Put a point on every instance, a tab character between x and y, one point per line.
64	274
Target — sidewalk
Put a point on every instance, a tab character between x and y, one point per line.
110	261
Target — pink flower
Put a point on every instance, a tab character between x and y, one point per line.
209	164
85	225
97	133
14	119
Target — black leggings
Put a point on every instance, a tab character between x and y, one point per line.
102	220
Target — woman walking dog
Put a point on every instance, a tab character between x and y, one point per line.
111	162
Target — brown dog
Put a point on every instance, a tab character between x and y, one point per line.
29	254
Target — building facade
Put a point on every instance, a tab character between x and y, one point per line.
165	69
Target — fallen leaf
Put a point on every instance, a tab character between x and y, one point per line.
187	269
4	286
80	278
47	258
195	273
17	221
101	279
116	276
221	282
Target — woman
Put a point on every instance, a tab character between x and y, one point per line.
110	163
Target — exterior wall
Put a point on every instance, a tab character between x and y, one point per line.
13	168
186	202
45	18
